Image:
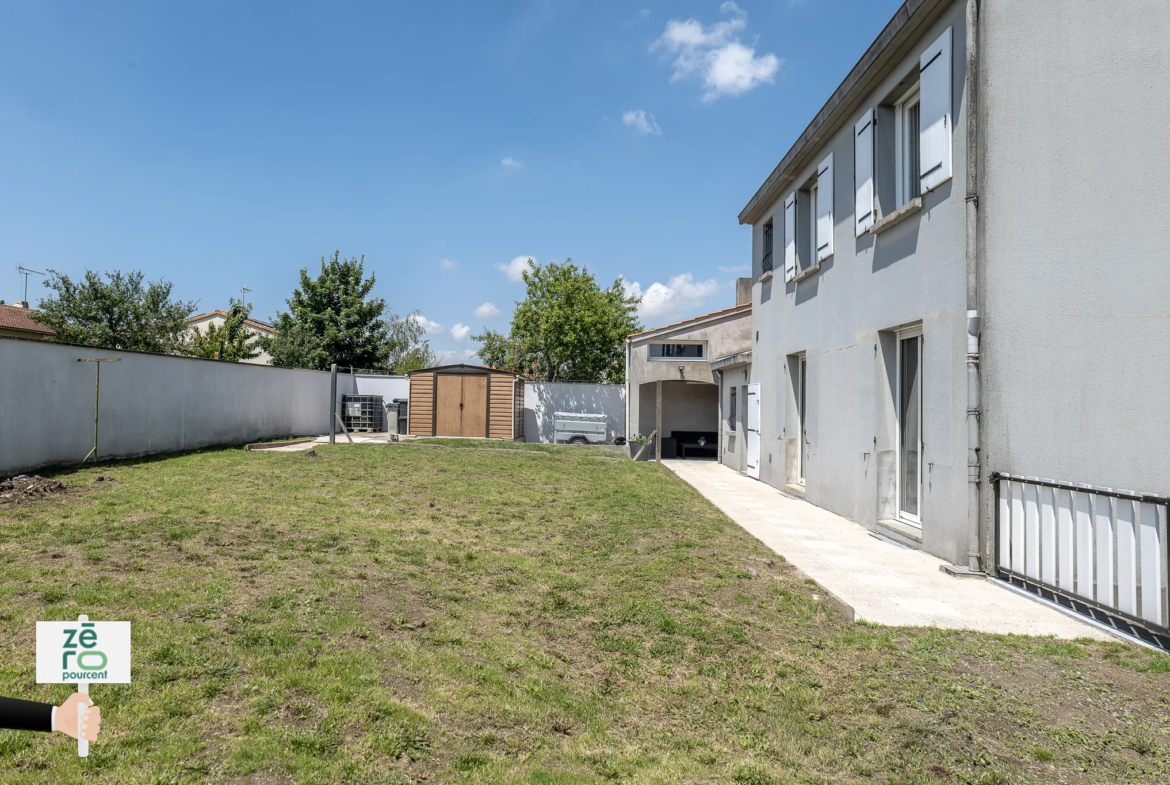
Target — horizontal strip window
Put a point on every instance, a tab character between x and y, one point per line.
678	351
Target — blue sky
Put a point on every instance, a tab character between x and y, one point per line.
225	144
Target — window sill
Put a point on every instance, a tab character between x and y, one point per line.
903	529
766	276
807	272
898	216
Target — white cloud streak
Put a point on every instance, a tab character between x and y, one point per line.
715	55
447	356
641	121
681	297
431	328
486	311
514	269
460	331
448	264
739	268
510	163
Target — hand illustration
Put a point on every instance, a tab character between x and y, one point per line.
65	719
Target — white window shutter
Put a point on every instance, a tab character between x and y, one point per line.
935	113
790	237
863	172
824	239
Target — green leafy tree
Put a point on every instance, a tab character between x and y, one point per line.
566	329
117	313
406	350
331	319
231	341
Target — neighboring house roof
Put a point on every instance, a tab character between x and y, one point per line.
13	318
261	326
893	44
695	321
461	368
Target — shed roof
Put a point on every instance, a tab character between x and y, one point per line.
461	368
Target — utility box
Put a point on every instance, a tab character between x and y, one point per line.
580	428
363	413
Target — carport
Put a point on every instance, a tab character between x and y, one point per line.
672	394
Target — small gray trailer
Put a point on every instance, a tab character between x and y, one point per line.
579	428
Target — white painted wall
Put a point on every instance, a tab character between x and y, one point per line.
542	399
149	403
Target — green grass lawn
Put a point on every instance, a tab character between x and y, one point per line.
401	613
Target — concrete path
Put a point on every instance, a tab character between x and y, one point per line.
883	582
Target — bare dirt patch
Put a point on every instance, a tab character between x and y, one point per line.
24	489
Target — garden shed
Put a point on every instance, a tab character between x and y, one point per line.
466	400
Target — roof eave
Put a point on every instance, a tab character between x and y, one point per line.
886	50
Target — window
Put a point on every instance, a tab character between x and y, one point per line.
907	134
910	426
731	411
678	351
766	260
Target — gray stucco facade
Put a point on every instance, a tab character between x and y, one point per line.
1069	273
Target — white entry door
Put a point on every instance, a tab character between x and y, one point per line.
753	430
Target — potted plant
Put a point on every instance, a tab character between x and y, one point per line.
637	442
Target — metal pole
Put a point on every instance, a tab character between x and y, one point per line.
658	421
976	521
333	403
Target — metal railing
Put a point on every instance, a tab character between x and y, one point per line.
766	262
1100	551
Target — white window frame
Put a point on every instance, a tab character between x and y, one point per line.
702	359
906	334
801	414
905	189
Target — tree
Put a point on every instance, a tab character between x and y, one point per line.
232	341
118	313
330	320
406	350
566	329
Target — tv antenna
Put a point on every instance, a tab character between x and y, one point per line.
244	294
26	273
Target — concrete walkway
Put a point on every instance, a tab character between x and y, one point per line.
883	582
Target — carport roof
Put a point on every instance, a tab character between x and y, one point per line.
694	321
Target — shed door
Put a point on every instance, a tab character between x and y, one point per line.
461	407
753	430
475	405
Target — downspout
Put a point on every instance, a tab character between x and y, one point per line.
974	400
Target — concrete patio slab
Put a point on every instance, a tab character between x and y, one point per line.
885	583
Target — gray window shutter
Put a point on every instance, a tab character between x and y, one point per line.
824	239
935	113
863	172
790	237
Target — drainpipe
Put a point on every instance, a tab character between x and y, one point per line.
629	433
974	403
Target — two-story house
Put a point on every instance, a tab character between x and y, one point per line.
960	275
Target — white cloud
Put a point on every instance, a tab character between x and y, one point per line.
431	328
448	264
739	268
641	121
677	299
510	163
460	331
515	268
447	356
487	310
715	55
